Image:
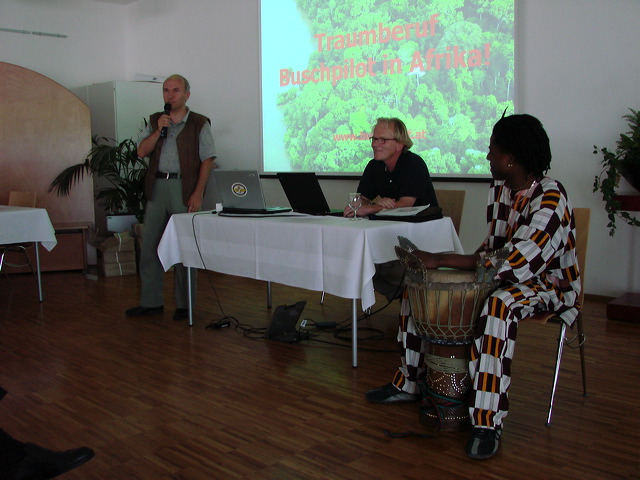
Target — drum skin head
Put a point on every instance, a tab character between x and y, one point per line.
445	306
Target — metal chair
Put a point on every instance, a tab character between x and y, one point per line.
18	199
582	218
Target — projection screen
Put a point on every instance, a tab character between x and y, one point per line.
330	68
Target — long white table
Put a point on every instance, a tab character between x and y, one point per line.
22	225
330	254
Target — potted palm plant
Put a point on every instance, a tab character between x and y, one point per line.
624	161
121	172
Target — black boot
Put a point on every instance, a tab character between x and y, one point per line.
42	464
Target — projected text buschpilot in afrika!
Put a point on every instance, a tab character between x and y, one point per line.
452	57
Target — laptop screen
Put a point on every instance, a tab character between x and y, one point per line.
304	192
241	192
240	189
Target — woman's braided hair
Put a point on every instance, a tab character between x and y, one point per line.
524	137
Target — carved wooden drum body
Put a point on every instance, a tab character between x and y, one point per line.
445	305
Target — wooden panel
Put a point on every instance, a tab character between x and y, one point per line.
625	307
630	203
452	204
44	128
22	199
69	254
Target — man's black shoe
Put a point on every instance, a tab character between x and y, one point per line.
140	311
388	394
42	464
483	443
181	314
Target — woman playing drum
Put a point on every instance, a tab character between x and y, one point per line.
531	242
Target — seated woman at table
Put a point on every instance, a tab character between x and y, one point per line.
531	245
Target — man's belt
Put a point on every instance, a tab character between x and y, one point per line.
168	176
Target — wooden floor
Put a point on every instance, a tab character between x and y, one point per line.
157	399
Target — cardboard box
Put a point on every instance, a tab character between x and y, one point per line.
117	269
119	242
118	257
138	228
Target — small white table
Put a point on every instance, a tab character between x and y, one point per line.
23	224
329	254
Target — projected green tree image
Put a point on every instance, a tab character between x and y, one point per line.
445	67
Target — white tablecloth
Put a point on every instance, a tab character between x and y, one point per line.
331	254
22	224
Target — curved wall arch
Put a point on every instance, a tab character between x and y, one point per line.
44	128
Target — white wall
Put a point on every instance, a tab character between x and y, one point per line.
215	45
93	52
577	70
578	75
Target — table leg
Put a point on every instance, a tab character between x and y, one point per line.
189	296
269	295
37	245
354	332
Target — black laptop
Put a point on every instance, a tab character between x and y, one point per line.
305	194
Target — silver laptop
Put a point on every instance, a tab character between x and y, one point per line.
241	193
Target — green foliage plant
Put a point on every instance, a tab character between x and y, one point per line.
625	162
121	169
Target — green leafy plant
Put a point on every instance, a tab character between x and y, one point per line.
122	171
625	162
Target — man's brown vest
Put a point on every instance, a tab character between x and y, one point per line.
188	152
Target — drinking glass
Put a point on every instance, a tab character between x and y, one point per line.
354	202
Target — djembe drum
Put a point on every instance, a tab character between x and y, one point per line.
445	305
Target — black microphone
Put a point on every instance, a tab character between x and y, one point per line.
167	110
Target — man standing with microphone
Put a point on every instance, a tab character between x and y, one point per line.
180	145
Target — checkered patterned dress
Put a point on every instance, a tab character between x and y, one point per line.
536	229
540	273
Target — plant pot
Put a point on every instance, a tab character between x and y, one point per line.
631	174
121	222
